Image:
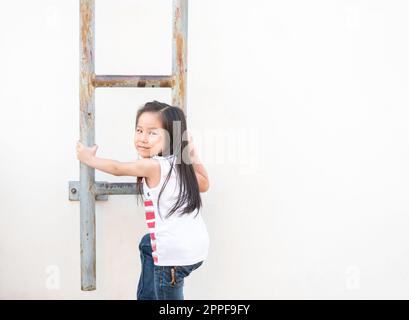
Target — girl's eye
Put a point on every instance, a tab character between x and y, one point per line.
140	131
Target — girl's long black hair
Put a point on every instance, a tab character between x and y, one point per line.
189	195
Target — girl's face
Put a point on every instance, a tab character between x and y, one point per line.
149	135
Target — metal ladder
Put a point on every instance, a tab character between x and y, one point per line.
87	190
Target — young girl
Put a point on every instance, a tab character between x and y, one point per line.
170	178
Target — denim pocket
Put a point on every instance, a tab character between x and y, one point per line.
184	271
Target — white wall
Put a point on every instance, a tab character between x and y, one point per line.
300	112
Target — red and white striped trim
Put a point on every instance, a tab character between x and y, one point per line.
150	221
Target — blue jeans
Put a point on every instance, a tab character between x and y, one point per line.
160	282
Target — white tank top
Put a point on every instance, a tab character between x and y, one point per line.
179	239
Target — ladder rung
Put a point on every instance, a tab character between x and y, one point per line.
134	81
102	189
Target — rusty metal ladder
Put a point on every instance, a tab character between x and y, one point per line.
87	190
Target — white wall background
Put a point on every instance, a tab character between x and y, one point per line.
300	110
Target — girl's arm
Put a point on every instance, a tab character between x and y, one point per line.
138	168
201	173
105	165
